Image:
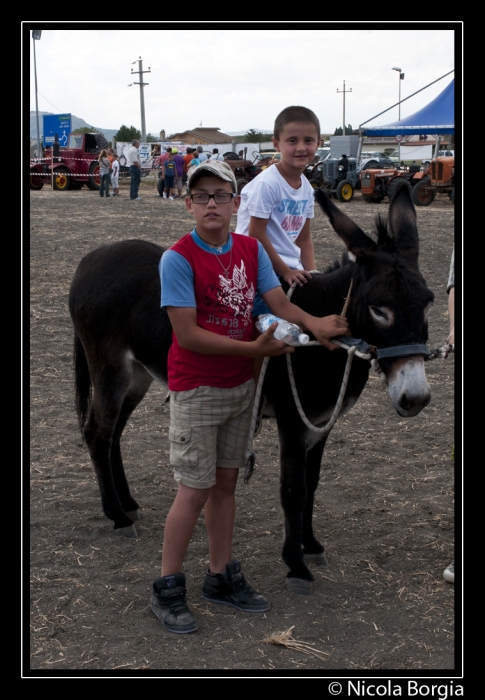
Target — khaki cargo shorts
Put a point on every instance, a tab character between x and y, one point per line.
209	428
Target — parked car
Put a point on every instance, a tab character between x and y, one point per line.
265	154
374	159
322	153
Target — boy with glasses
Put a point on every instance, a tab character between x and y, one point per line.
209	280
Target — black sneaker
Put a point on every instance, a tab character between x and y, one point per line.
231	588
168	604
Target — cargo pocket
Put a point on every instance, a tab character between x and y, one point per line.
183	450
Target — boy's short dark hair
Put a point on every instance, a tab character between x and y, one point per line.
295	114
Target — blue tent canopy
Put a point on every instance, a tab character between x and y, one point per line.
438	117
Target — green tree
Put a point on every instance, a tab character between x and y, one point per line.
85	130
127	134
253	136
348	130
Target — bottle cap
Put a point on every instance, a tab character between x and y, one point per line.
303	338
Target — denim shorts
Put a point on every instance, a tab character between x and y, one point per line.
209	428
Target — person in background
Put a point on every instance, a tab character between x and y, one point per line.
104	173
200	154
449	572
115	165
161	161
216	155
169	172
179	167
133	161
195	160
187	159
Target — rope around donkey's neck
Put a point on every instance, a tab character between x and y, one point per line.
250	458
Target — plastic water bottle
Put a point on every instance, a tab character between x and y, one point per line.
289	332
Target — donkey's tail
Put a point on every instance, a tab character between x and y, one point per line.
83	384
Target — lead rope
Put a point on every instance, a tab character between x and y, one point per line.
250	458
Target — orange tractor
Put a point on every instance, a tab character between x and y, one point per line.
377	183
439	176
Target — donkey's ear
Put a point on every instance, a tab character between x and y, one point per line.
358	243
403	228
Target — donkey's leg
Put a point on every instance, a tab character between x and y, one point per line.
110	384
293	499
312	548
139	385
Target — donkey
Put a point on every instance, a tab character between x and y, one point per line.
122	338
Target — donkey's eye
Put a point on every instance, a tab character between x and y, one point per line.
382	315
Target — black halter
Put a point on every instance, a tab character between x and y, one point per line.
385	353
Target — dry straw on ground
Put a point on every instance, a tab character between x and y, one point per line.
285	639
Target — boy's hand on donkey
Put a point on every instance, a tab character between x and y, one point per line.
293	277
329	327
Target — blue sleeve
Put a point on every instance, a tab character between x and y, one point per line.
267	278
177	281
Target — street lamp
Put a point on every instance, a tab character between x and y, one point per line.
36	34
401	77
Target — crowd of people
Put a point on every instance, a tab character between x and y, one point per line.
171	164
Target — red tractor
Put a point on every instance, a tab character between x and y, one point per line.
69	167
246	170
377	183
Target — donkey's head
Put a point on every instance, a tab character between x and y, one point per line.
390	299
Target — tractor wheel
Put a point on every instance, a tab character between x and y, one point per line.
94	180
395	184
372	200
345	191
315	184
241	183
60	181
422	194
36	181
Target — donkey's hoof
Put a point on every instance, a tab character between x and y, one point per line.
316	559
128	531
299	586
133	514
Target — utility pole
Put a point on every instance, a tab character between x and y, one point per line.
36	34
344	91
142	99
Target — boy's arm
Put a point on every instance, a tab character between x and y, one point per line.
257	229
305	244
322	328
192	337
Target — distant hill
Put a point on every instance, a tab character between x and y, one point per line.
76	123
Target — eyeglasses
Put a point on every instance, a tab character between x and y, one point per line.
218	197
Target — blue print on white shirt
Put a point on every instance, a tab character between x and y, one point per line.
289	206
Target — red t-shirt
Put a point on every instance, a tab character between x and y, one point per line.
224	306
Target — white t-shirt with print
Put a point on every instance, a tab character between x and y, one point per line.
270	197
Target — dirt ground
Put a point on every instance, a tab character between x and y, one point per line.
384	507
